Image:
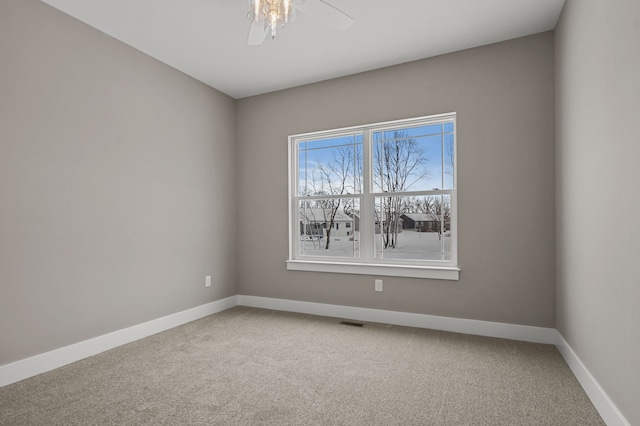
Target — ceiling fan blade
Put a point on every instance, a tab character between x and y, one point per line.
325	13
257	34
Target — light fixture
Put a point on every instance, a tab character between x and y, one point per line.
274	13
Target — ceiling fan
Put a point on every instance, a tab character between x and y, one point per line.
268	15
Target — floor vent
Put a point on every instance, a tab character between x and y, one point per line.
352	324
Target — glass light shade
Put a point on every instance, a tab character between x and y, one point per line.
256	10
274	13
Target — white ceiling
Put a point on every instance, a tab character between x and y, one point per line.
206	39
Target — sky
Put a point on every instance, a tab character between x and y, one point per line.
435	171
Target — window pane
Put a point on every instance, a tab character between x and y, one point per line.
330	166
413	228
329	227
413	158
449	161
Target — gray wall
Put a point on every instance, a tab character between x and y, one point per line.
503	95
116	184
598	200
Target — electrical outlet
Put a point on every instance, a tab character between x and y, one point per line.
207	281
378	285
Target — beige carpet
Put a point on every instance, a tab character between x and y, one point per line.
250	366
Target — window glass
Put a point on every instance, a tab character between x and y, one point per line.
330	166
412	158
413	228
320	231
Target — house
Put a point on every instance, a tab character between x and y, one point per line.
316	221
423	222
124	182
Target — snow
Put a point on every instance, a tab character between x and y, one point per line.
412	245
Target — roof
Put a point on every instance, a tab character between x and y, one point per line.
419	217
322	215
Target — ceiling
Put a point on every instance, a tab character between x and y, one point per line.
207	39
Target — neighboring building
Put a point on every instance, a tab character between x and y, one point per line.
423	222
314	222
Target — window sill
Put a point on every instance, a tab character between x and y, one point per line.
433	272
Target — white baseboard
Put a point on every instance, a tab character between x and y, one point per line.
480	328
607	409
25	368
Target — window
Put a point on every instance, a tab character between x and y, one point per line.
393	188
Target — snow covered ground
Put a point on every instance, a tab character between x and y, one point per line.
412	245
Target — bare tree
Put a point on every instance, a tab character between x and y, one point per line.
342	175
438	208
398	165
449	161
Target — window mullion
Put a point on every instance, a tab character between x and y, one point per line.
293	197
366	209
414	193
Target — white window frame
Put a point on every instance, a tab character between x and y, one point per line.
367	264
